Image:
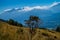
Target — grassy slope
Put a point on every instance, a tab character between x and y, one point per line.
9	32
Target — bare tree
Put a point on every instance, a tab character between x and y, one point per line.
33	22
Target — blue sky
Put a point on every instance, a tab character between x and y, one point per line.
4	4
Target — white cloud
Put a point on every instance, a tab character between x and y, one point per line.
16	8
7	9
40	7
35	7
27	8
55	3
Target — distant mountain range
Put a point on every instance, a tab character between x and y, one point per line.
49	15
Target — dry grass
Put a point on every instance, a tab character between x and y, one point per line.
9	32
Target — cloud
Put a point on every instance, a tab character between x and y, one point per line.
8	10
54	4
27	8
40	7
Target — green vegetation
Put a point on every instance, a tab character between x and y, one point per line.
12	22
58	28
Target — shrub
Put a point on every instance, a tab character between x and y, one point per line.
15	23
45	34
2	20
20	31
58	29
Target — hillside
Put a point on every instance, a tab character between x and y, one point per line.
10	32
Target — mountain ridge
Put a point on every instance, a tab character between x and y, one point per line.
20	14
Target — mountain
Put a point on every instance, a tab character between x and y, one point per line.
10	32
56	8
50	16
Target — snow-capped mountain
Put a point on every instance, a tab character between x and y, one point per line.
56	8
50	15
